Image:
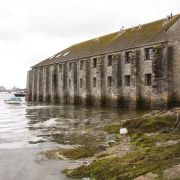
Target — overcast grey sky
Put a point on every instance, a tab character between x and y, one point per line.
32	30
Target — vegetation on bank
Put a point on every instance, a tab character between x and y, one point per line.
141	161
112	128
150	124
155	146
74	153
147	156
143	125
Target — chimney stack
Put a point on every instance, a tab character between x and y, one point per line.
169	17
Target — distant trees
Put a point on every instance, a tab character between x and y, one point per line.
3	89
14	89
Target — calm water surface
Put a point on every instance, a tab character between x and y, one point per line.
27	129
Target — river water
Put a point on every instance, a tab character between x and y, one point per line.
28	129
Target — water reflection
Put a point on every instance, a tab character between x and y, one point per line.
70	124
30	124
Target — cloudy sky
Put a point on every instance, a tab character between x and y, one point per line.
32	30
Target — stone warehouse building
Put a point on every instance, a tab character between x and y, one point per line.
131	67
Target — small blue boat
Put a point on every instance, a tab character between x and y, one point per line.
13	100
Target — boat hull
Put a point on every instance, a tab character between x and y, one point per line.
12	102
19	95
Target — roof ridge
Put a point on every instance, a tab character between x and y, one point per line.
172	21
152	22
151	32
101	36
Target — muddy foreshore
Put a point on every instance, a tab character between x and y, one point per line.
150	150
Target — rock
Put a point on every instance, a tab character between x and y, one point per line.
123	131
168	113
87	122
172	173
60	156
176	109
147	115
148	176
155	112
111	137
167	143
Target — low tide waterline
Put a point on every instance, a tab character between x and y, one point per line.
28	129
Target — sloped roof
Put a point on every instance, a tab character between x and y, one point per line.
128	38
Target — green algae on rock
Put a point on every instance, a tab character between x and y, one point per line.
142	140
163	137
150	124
112	128
142	161
74	153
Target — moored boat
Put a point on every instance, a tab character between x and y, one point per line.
19	94
13	100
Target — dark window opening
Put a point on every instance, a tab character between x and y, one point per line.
70	66
81	65
69	82
109	60
149	53
81	83
94	62
109	81
148	79
55	80
60	68
128	57
127	80
94	82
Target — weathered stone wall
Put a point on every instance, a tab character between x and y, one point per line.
56	83
159	77
96	73
116	79
126	71
88	81
102	80
76	89
174	66
51	83
135	78
47	81
40	86
70	77
80	82
145	67
29	86
61	83
65	83
34	85
44	85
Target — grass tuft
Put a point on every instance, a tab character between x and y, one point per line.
112	129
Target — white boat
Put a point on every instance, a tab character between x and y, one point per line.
13	100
